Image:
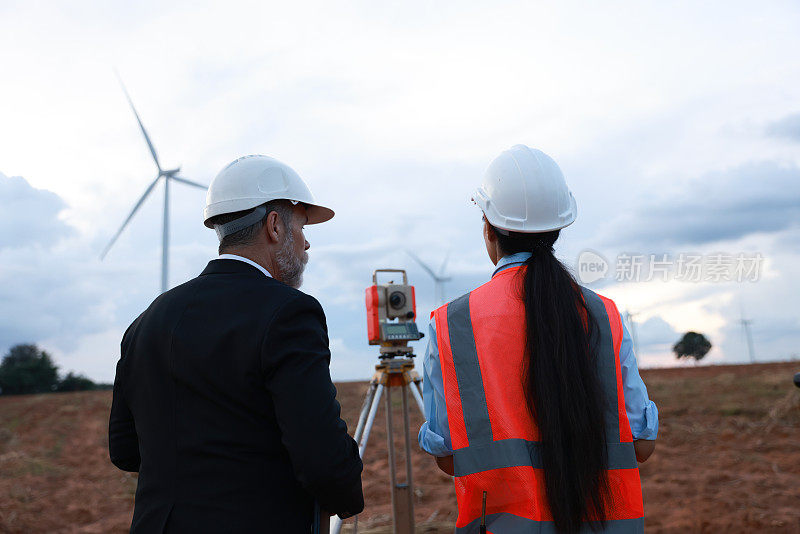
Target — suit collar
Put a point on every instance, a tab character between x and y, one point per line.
247	261
226	266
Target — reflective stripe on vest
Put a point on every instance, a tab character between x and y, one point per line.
505	458
502	523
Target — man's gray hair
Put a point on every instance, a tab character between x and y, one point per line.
247	236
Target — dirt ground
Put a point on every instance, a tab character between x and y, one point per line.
727	460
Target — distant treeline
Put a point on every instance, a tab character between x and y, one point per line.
27	369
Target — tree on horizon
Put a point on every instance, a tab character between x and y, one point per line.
75	382
27	369
692	345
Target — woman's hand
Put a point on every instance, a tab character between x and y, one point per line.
445	463
644	448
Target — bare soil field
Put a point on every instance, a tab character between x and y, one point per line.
727	460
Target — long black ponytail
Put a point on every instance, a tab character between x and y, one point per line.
562	385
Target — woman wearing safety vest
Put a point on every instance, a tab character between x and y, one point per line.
532	395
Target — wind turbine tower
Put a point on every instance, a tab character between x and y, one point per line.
167	175
438	279
629	318
749	337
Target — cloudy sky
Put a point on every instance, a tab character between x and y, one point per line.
677	127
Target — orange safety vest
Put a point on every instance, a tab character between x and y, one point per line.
481	340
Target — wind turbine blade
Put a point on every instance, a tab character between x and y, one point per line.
444	264
189	182
146	137
133	211
422	264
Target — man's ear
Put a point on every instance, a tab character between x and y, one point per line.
273	227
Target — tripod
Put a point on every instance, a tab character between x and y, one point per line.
394	371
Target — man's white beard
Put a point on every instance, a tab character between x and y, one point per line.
290	266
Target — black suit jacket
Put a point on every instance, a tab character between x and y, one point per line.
224	404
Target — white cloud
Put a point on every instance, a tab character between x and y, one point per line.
30	216
50	293
787	127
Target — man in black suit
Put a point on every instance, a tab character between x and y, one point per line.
223	400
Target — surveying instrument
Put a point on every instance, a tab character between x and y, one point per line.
391	314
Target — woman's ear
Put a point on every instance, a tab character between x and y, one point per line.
488	232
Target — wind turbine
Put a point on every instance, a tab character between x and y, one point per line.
438	279
629	315
748	336
167	175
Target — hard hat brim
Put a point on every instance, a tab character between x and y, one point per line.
318	214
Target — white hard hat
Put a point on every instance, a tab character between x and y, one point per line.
251	181
524	190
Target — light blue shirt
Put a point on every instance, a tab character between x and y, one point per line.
434	436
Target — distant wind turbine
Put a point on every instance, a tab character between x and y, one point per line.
629	318
748	336
167	174
438	279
